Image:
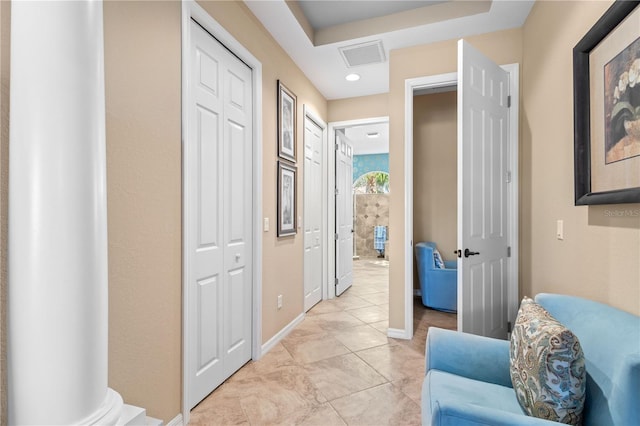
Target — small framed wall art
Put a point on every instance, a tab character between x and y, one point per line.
286	199
286	123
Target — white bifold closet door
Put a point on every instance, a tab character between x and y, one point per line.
219	193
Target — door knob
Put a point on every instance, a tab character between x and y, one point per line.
468	253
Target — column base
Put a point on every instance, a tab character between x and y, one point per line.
109	412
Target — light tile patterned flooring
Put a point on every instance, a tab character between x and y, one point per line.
337	367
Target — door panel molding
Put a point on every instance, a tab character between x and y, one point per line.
344	213
313	119
191	10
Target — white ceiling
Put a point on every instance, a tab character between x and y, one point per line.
363	144
406	23
324	65
328	13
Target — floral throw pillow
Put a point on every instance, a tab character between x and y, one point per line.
547	366
437	258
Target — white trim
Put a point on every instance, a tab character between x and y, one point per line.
190	9
513	296
396	333
176	421
269	344
411	85
331	201
438	82
315	117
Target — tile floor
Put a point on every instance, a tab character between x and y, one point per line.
337	367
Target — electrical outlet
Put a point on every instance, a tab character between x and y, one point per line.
279	301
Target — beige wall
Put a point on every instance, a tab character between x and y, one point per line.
503	47
142	71
435	172
358	108
599	257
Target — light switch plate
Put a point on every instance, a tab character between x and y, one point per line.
560	229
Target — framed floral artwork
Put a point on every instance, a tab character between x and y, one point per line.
606	84
286	123
286	199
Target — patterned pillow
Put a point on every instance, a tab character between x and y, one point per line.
547	366
437	258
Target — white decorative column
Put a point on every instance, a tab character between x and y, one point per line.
58	284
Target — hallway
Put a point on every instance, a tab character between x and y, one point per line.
337	367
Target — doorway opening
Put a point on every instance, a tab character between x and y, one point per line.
435	209
368	186
442	83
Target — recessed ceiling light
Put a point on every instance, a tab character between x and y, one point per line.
373	135
353	77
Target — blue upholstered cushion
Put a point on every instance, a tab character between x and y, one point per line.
547	366
442	388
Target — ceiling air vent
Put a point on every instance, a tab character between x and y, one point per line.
363	53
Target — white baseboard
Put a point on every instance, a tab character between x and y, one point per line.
176	421
150	421
398	333
281	334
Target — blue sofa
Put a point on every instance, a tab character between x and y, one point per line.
439	287
468	383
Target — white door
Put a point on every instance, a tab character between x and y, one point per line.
344	213
218	192
312	213
483	88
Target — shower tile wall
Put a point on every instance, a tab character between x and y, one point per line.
371	210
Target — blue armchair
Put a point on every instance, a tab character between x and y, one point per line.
439	287
468	382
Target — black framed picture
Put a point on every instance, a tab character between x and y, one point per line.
287	107
286	199
606	84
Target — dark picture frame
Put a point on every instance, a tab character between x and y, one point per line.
582	103
287	224
287	119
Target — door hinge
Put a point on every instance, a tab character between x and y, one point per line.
509	251
336	281
509	101
509	327
335	237
507	177
336	147
337	191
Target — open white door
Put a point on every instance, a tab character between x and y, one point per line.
344	213
312	213
483	176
